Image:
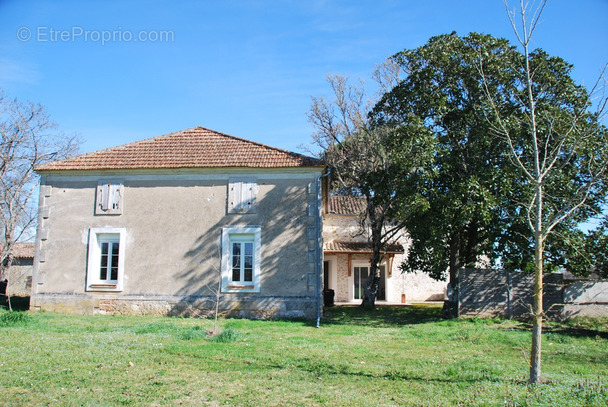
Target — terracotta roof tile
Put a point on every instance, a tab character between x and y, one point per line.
23	250
358	247
346	205
197	147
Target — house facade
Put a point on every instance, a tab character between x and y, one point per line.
347	256
172	224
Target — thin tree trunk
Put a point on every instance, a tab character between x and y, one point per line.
537	302
537	325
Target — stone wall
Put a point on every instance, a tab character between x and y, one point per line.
252	306
20	277
416	287
413	287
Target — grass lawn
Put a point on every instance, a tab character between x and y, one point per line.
393	356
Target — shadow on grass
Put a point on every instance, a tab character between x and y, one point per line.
576	332
323	368
381	316
572	328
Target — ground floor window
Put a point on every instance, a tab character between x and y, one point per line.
241	248
110	253
105	268
361	273
241	253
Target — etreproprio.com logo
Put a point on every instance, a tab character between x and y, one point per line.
76	34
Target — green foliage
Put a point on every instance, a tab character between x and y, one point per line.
463	89
585	253
563	157
587	324
14	318
372	161
465	184
155	328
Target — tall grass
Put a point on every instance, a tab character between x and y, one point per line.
13	318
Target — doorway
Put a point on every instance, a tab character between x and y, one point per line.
361	273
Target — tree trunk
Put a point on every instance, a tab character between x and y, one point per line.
5	265
537	301
537	317
372	282
450	307
371	285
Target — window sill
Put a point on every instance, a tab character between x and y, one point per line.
236	288
240	287
103	287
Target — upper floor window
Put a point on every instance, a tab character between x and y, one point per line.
109	197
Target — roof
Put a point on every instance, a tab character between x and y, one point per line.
23	250
346	205
196	147
358	247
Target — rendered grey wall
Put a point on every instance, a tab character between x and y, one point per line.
172	254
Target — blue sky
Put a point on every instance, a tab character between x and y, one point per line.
247	68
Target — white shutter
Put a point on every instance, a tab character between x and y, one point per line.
115	197
247	197
242	196
234	196
109	197
104	196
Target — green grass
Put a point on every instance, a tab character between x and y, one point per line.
390	356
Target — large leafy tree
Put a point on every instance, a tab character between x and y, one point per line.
377	163
466	186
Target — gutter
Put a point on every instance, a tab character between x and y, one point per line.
319	279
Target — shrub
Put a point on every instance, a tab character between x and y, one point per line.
226	336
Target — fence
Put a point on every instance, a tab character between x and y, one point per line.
483	293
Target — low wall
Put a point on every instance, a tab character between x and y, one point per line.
244	306
586	298
487	293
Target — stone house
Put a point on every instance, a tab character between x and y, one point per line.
159	226
347	254
20	272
